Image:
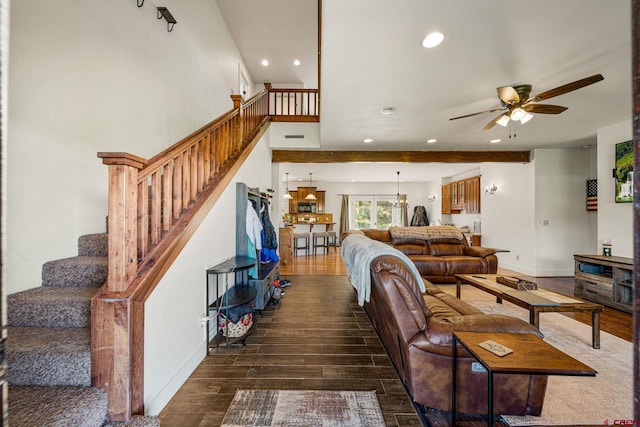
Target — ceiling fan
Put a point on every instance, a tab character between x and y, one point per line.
518	106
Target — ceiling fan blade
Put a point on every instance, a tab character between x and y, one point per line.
493	122
560	90
544	108
476	114
508	95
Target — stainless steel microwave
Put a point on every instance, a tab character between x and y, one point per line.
306	207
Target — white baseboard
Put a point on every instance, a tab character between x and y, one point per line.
559	272
516	268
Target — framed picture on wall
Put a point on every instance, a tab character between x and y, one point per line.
623	173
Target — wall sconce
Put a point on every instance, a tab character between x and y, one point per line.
490	190
163	12
431	198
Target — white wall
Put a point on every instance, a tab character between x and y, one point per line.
563	225
87	77
174	336
508	215
551	188
615	220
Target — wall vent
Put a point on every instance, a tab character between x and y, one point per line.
294	136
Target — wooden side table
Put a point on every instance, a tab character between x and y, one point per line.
531	356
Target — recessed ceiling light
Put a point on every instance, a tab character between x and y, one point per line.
296	62
495	141
432	40
431	141
585	146
265	63
367	140
387	110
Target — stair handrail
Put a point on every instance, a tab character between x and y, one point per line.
168	183
154	206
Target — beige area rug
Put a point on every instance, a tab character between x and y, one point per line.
573	400
304	408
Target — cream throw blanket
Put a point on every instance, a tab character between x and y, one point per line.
357	253
427	232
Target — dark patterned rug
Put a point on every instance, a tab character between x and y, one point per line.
305	408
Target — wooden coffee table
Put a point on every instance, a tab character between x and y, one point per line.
539	301
531	356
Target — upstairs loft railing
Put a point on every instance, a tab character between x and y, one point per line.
294	105
155	205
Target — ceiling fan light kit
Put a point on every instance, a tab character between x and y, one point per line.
503	120
518	106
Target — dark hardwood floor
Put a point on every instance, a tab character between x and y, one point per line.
318	337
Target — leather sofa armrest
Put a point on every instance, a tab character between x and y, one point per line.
478	251
438	336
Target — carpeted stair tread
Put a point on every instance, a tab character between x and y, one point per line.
34	406
51	306
49	356
136	421
75	272
93	245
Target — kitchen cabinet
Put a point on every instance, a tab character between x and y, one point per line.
320	201
446	199
303	192
472	194
461	195
457	196
293	202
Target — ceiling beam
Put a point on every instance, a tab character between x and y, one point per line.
300	156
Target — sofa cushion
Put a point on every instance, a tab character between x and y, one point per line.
410	246
478	251
429	265
440	329
438	308
443	247
459	306
464	265
376	234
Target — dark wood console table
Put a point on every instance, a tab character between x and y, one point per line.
531	356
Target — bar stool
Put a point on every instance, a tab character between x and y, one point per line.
332	240
301	241
321	240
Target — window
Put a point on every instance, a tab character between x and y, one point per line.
372	212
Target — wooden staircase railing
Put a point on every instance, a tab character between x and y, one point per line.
155	206
294	105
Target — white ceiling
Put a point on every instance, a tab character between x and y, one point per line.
372	58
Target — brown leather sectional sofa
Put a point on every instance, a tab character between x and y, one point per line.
416	330
439	252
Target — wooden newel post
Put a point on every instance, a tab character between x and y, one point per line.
113	312
123	216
